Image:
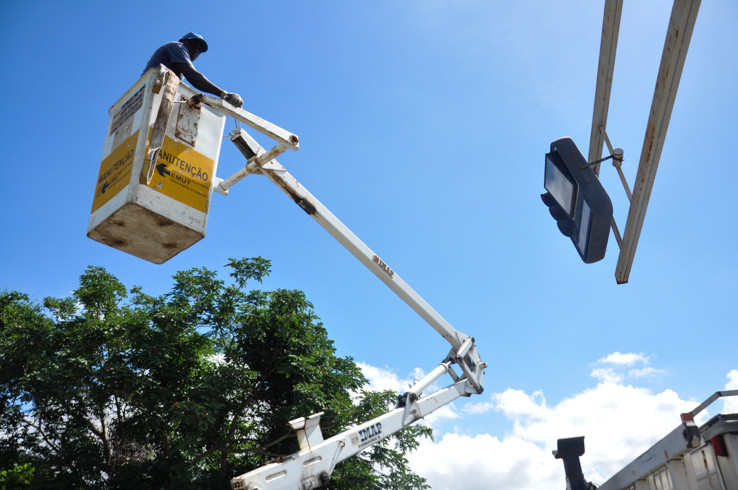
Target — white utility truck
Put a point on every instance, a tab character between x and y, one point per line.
152	198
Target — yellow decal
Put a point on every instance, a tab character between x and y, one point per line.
115	172
183	174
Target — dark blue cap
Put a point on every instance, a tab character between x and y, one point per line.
198	37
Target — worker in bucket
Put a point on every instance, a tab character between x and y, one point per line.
178	57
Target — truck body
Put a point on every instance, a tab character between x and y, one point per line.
690	457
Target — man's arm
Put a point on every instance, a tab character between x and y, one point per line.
197	79
200	82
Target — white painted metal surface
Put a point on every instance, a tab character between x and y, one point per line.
300	195
156	211
313	464
263	126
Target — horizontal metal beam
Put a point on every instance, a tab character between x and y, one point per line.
262	125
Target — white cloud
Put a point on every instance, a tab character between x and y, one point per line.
478	408
385	379
516	404
646	372
619	422
484	462
606	375
627	359
730	404
613	370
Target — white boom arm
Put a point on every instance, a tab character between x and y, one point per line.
313	464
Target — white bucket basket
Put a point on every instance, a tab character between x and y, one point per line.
154	208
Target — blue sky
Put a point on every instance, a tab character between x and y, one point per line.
423	126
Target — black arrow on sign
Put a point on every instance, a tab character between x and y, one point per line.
162	169
104	187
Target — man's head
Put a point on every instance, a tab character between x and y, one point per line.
195	44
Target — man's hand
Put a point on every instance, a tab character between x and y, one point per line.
232	98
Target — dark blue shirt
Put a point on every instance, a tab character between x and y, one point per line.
168	55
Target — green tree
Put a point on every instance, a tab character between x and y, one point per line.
114	388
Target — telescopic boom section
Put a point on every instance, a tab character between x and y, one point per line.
313	464
262	162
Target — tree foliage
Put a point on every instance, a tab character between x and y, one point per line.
114	388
